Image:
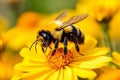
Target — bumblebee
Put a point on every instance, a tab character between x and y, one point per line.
62	33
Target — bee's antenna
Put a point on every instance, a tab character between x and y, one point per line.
33	44
36	47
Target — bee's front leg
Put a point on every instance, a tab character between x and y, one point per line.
55	47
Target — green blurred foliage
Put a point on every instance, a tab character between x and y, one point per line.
49	6
11	9
7	13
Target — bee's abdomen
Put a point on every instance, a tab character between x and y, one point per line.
75	32
80	37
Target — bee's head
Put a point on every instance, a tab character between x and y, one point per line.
44	38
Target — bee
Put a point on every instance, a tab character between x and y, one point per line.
62	33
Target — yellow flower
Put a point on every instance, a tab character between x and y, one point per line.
116	58
7	62
100	9
29	20
17	37
115	27
40	66
90	27
109	74
26	27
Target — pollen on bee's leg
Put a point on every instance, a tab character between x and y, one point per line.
59	59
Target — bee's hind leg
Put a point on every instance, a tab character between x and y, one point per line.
76	44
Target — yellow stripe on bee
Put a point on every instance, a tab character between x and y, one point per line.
68	29
52	25
57	34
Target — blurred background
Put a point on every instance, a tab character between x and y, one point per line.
20	20
11	9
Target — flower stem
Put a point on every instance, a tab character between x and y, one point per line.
105	29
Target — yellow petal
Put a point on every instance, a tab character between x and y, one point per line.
96	52
32	55
89	44
75	77
15	77
42	74
93	64
54	76
61	74
116	62
47	75
116	56
68	72
30	67
84	73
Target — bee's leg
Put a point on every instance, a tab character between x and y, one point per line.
46	46
65	45
43	49
55	47
50	47
76	43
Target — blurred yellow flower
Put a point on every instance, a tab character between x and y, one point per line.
90	27
39	66
26	29
29	20
99	9
101	12
116	58
1	43
114	29
17	37
3	23
109	74
7	62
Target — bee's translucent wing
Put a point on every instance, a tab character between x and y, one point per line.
73	20
61	16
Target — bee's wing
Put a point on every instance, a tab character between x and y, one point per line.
61	16
73	20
